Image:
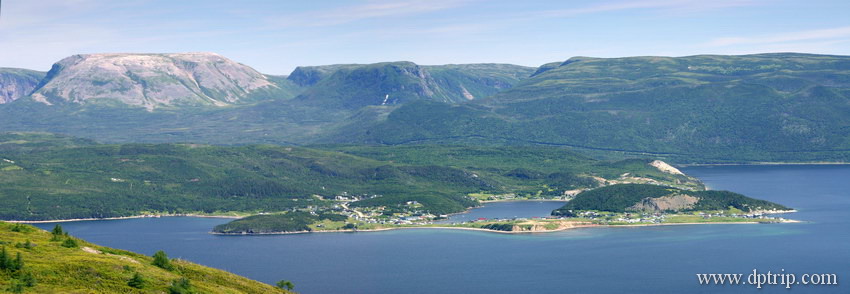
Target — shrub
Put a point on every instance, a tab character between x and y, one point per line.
161	260
70	243
181	286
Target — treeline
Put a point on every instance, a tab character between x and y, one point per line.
499	227
433	203
297	221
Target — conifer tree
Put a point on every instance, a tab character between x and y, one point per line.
18	263
161	260
137	281
4	259
57	230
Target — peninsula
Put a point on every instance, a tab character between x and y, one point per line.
613	205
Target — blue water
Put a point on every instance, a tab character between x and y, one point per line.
661	259
507	210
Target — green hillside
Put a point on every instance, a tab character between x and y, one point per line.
625	197
61	180
393	83
703	108
32	75
58	263
707	108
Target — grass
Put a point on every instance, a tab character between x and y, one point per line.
59	269
717	219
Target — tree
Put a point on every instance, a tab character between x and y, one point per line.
5	261
137	281
161	260
57	233
57	230
18	264
284	284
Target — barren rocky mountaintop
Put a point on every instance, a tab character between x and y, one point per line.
150	80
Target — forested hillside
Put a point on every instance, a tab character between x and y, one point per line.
765	107
46	177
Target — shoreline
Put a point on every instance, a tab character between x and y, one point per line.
766	163
521	200
582	226
120	218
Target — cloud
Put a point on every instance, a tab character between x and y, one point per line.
810	35
680	6
373	9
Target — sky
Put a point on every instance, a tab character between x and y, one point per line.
276	36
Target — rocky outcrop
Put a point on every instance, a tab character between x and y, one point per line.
547	226
675	202
16	83
664	167
150	80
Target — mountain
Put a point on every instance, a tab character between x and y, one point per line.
706	108
16	83
152	81
59	263
306	76
394	83
766	107
334	97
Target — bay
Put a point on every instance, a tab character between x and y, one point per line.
659	259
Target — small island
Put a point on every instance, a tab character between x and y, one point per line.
612	205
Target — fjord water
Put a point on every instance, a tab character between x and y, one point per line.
660	259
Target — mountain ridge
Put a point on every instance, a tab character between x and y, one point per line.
17	82
150	80
693	109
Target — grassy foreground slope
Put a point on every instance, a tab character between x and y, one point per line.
43	178
51	267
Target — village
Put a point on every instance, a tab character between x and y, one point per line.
412	214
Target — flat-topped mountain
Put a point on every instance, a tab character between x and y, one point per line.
16	83
393	83
150	80
763	106
706	108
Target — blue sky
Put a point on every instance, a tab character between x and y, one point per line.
276	36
